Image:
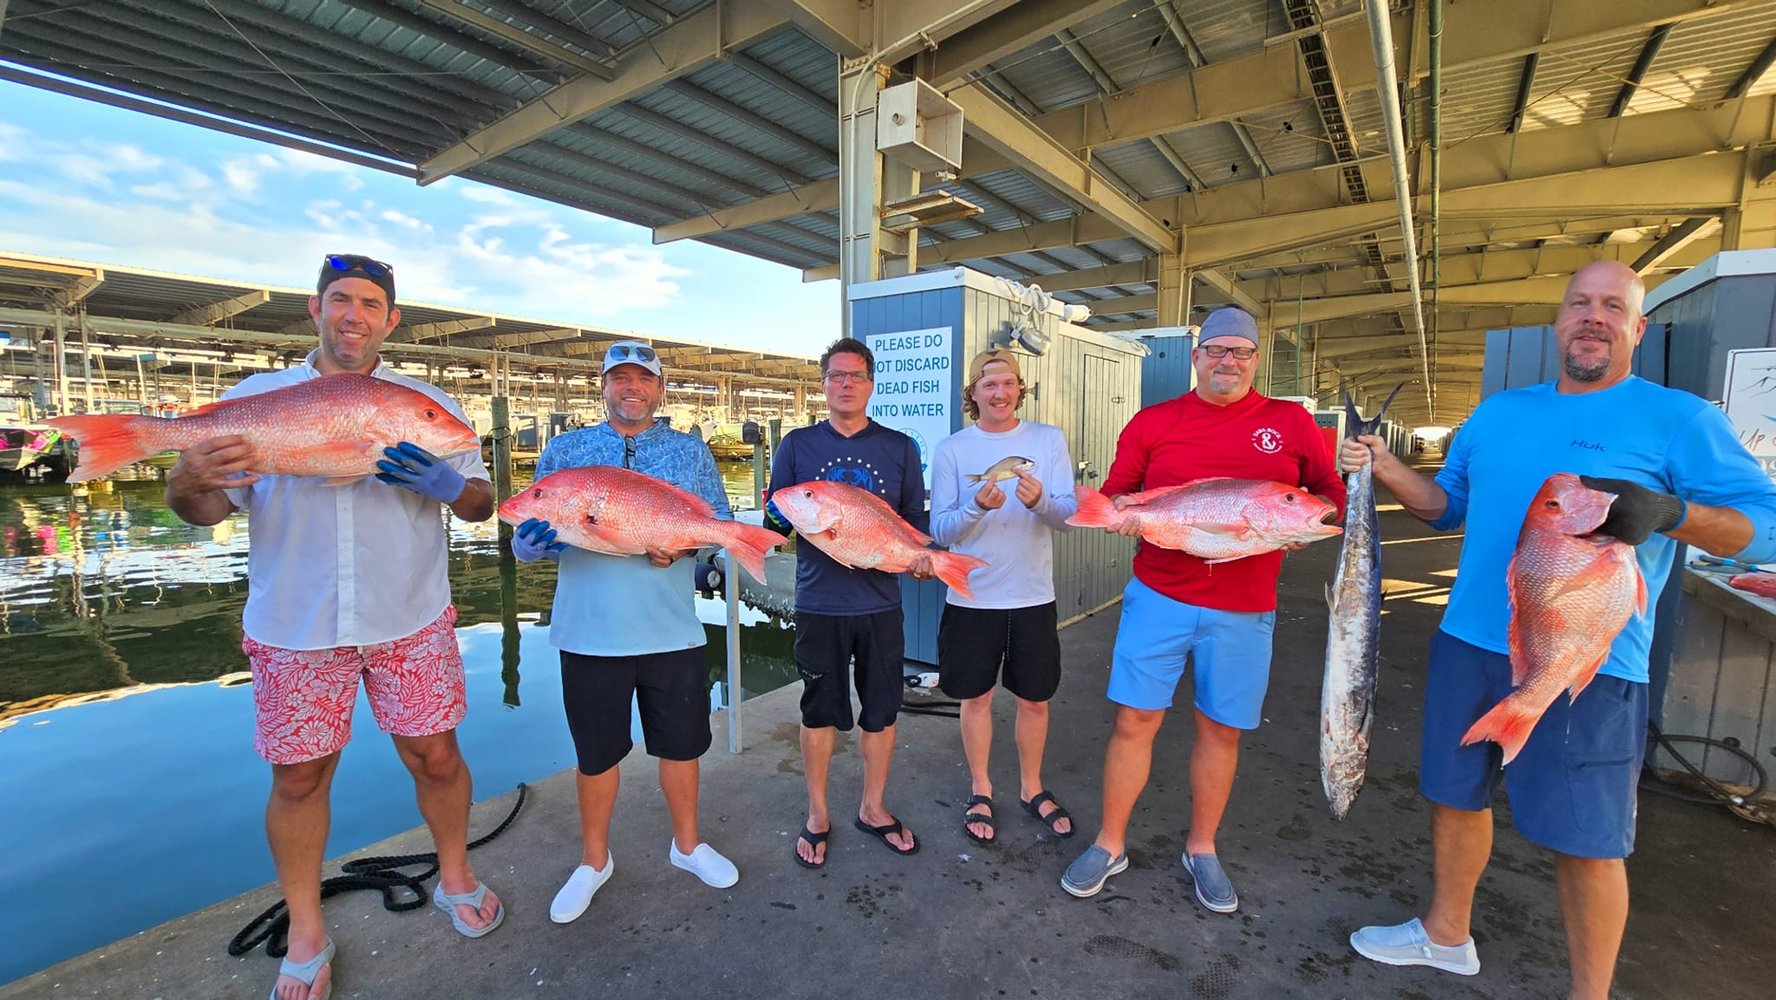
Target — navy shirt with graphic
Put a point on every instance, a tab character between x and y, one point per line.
878	459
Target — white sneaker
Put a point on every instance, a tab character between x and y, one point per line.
1408	944
707	864
577	894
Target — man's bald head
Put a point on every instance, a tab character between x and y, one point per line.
1602	276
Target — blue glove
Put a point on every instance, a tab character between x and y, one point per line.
534	540
411	467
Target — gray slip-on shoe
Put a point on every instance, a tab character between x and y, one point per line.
1213	888
1088	872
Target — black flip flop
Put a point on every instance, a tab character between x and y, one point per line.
970	819
881	833
1034	808
814	840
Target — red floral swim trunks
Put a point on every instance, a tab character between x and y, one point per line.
303	697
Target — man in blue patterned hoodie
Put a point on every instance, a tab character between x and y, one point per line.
627	628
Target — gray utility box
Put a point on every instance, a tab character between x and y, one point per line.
1087	383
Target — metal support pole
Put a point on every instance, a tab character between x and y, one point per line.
731	590
61	364
502	462
86	369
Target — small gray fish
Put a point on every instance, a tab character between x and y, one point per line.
1353	640
1005	468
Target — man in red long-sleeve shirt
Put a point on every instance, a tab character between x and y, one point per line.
1177	605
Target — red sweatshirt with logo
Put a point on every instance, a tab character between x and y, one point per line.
1174	442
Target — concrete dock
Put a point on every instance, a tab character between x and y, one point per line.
959	920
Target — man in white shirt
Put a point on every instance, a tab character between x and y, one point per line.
346	582
1025	494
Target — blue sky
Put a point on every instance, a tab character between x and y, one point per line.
90	182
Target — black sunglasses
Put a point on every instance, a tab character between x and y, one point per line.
625	352
347	262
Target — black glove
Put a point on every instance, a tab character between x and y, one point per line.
1636	512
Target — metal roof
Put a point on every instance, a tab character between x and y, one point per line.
397	82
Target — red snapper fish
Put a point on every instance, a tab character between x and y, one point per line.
621	512
1572	593
334	426
1217	519
1761	584
860	530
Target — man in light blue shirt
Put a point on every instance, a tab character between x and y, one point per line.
627	629
1679	475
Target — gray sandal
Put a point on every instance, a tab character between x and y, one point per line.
306	972
448	902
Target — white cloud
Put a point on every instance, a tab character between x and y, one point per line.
242	177
401	218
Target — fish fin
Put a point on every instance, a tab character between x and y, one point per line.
1640	591
972	478
1212	562
953	569
108	441
209	408
1508	724
1095	510
1329	605
749	546
1585	677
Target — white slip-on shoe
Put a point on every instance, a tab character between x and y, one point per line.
707	864
1408	944
577	894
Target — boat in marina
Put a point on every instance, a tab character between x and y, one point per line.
32	446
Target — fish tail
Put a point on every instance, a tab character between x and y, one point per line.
1508	724
749	545
1353	418
953	569
973	478
108	441
1095	510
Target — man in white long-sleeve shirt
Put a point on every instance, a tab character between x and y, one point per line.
1024	494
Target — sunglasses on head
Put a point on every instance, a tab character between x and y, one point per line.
631	352
1222	351
347	262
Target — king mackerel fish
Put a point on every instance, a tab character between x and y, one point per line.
1347	695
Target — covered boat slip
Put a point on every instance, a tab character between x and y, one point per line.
963	921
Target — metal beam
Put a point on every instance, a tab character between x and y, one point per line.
1029	22
1668	245
820	196
216	312
685	47
1753	73
997	124
817	101
443	35
1642	63
535	45
435	331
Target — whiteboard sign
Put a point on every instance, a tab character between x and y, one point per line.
1750	402
914	383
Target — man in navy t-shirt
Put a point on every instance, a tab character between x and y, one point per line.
844	614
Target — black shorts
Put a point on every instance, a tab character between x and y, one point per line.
826	644
975	644
672	689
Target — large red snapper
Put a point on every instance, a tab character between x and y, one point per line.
860	530
334	426
1572	593
1217	519
621	512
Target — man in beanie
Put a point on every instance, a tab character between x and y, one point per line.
348	582
1177	606
999	491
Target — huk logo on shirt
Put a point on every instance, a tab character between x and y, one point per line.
1587	445
1267	440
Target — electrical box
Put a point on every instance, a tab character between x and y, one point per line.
919	127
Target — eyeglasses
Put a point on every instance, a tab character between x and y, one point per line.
631	352
1218	351
840	378
357	262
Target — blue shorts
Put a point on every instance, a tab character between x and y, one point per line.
1571	788
1230	651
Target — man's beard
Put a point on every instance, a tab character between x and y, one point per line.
1580	372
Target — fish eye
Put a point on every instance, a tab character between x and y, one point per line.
1553	505
1288	498
431	414
537	493
809	494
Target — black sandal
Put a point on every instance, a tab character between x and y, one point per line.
814	840
972	818
1034	808
881	833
